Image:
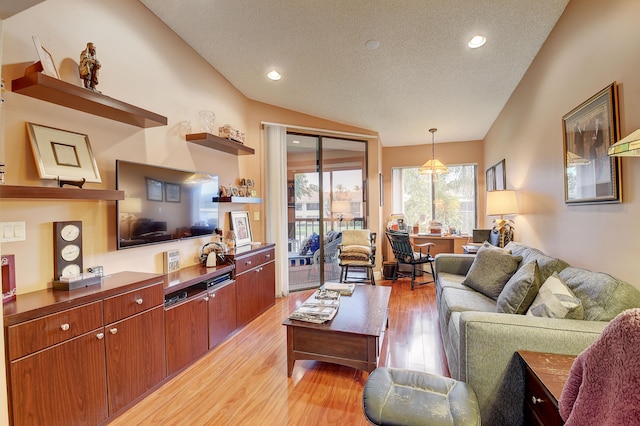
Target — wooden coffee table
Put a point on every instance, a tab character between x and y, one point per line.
352	338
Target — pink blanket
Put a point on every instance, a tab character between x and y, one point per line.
603	387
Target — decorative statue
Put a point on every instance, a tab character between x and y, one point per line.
89	66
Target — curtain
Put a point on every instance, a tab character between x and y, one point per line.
276	201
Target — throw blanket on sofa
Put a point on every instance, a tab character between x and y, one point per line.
603	387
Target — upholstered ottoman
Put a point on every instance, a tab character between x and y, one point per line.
404	397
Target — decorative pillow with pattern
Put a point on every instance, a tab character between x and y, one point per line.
555	300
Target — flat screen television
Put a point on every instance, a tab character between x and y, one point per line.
163	204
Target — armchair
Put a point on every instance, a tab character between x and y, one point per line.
358	250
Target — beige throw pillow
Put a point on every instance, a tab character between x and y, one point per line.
555	300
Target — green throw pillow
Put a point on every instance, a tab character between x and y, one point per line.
555	300
491	269
520	290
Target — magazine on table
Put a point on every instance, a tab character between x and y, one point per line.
317	310
345	289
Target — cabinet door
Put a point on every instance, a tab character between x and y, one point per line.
62	385
267	284
248	297
222	313
135	357
186	332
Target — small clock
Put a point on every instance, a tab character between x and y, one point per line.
67	249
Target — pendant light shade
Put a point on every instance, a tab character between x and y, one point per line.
433	166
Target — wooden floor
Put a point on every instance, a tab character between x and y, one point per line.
244	380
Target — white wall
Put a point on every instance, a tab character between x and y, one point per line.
593	44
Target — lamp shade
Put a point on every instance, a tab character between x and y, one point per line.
626	147
433	166
131	205
341	206
501	203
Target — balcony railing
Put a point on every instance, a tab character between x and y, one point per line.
301	229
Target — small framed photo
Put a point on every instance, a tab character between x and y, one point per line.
171	192
241	228
500	176
62	154
491	179
46	60
154	190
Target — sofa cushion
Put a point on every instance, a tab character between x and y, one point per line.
491	269
602	295
547	264
555	300
520	290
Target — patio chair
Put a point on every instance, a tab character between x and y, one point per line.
405	253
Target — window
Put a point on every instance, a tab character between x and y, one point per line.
449	198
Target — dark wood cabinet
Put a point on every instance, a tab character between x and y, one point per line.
135	356
222	313
186	332
255	281
61	385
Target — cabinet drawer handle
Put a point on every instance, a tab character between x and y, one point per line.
535	400
206	298
268	256
64	327
100	336
248	262
113	330
212	295
139	301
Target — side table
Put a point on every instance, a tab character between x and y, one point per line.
545	376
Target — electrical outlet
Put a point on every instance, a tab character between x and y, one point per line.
256	216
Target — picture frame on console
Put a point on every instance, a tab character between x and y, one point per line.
62	154
590	175
241	227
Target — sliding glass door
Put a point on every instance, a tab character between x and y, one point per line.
326	195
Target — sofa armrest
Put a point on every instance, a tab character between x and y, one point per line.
489	363
453	263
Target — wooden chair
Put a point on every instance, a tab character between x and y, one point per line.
406	254
357	251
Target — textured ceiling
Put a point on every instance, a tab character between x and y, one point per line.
422	75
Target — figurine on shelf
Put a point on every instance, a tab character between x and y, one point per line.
89	66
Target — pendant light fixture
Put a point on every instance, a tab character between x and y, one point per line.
433	166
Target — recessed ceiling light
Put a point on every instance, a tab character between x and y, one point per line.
274	75
477	41
372	44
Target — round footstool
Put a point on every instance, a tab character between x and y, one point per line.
404	397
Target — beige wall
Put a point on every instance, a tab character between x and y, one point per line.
593	44
144	64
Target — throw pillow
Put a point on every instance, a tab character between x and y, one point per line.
520	290
555	300
490	270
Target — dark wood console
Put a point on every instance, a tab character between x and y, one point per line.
83	356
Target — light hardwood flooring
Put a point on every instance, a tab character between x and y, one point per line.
244	380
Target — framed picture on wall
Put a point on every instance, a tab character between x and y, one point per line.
241	228
501	176
172	192
154	190
491	179
590	175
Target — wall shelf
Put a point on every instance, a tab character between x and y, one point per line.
53	193
239	200
40	86
221	144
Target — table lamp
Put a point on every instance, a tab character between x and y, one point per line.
502	203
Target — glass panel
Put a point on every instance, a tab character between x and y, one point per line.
316	218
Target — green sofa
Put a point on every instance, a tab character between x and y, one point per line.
481	344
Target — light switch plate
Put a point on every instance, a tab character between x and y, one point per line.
12	231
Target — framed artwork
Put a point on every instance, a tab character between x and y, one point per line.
241	228
171	192
590	175
381	188
154	190
46	60
62	154
491	179
501	176
291	193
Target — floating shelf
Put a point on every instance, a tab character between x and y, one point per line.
40	86
220	144
53	193
239	200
